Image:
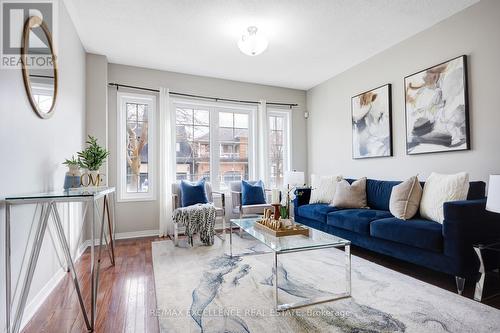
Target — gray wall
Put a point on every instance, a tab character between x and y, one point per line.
33	149
96	94
138	216
474	32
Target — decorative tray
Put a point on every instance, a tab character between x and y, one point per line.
278	230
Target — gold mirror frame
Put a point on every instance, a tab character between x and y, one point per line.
33	22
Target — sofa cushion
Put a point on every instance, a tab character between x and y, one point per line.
357	220
405	199
350	195
440	188
316	212
419	233
378	193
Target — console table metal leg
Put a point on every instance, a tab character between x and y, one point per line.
7	268
92	280
69	260
110	227
35	252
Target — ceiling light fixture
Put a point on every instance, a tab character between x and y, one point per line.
251	43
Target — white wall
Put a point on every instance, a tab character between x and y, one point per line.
33	149
474	32
138	216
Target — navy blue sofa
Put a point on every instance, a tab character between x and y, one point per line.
443	247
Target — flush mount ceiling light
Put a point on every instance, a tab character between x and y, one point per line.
252	43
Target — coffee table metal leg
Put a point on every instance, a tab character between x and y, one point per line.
276	279
307	302
231	239
347	251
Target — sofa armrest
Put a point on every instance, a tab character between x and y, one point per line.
466	223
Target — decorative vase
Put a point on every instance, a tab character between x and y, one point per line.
72	177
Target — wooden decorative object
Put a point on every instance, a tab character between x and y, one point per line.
281	228
276	212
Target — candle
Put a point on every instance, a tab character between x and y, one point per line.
275	199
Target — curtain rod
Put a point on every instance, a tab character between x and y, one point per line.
217	99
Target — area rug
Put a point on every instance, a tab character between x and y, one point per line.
201	289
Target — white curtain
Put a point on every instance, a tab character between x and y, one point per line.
167	161
262	170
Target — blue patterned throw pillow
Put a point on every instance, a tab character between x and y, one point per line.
193	193
252	193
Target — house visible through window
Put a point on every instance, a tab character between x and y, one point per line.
278	123
136	152
233	141
193	143
212	142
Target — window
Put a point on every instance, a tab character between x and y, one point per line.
212	142
136	133
233	143
279	151
192	128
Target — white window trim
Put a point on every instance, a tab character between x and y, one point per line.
287	127
123	195
214	109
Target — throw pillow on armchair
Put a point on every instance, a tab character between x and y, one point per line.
252	193
193	193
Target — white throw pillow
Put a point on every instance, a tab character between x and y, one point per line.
323	188
439	189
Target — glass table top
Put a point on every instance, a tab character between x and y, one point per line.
316	238
80	192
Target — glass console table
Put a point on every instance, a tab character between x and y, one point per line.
48	202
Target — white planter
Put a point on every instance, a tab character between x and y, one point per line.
91	178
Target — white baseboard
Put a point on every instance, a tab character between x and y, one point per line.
137	234
42	295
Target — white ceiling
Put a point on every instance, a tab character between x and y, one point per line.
309	40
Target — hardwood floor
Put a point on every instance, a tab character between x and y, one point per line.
127	294
125	300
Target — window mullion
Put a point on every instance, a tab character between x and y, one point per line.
214	148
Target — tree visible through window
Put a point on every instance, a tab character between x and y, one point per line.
233	142
193	143
135	146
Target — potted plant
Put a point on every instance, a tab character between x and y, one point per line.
91	158
72	178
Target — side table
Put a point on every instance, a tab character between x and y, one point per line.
489	261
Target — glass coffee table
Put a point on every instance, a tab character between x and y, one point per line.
290	244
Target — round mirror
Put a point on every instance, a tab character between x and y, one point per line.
39	66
